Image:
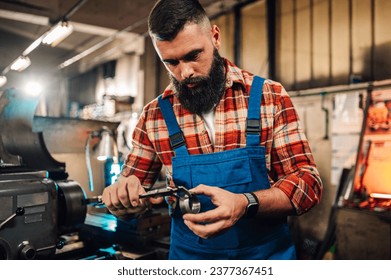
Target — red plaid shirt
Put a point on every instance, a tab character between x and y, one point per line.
289	161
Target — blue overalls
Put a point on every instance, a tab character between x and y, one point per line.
238	171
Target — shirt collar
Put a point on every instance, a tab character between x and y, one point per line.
233	75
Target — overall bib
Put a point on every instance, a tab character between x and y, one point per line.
238	171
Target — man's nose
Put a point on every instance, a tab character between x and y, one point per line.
187	70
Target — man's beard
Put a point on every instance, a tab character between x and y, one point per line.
207	90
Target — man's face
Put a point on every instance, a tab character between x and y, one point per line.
195	67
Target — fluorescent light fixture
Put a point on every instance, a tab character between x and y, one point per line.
3	80
21	63
58	33
33	46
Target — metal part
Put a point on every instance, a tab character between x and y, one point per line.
72	209
37	201
93	200
188	202
30	141
20	145
65	135
34	211
160	193
26	251
6	159
37	225
19	212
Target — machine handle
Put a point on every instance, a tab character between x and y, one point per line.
19	212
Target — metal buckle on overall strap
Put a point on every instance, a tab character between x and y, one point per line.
252	126
177	140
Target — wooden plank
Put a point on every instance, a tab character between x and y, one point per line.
226	25
382	52
361	38
340	53
285	45
303	44
254	40
321	43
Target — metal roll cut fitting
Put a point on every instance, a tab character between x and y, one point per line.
188	202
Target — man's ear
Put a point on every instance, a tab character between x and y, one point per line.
216	36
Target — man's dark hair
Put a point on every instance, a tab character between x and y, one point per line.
168	17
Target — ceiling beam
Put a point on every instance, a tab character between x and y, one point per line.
45	21
24	17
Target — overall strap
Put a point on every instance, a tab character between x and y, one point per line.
177	140
253	125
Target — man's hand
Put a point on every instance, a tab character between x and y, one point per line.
229	208
122	197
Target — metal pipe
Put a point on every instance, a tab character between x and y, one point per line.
74	9
324	109
339	89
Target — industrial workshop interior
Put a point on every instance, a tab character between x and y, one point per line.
69	104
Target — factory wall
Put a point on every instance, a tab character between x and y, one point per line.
330	42
317	42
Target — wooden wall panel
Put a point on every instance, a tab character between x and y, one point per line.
303	44
254	51
320	43
382	36
226	25
285	45
340	40
361	38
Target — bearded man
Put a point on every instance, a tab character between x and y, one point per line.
231	138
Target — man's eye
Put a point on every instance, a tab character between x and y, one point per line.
171	62
193	57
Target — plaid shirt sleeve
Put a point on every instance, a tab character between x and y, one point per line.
292	163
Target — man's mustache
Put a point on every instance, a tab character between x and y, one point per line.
195	80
